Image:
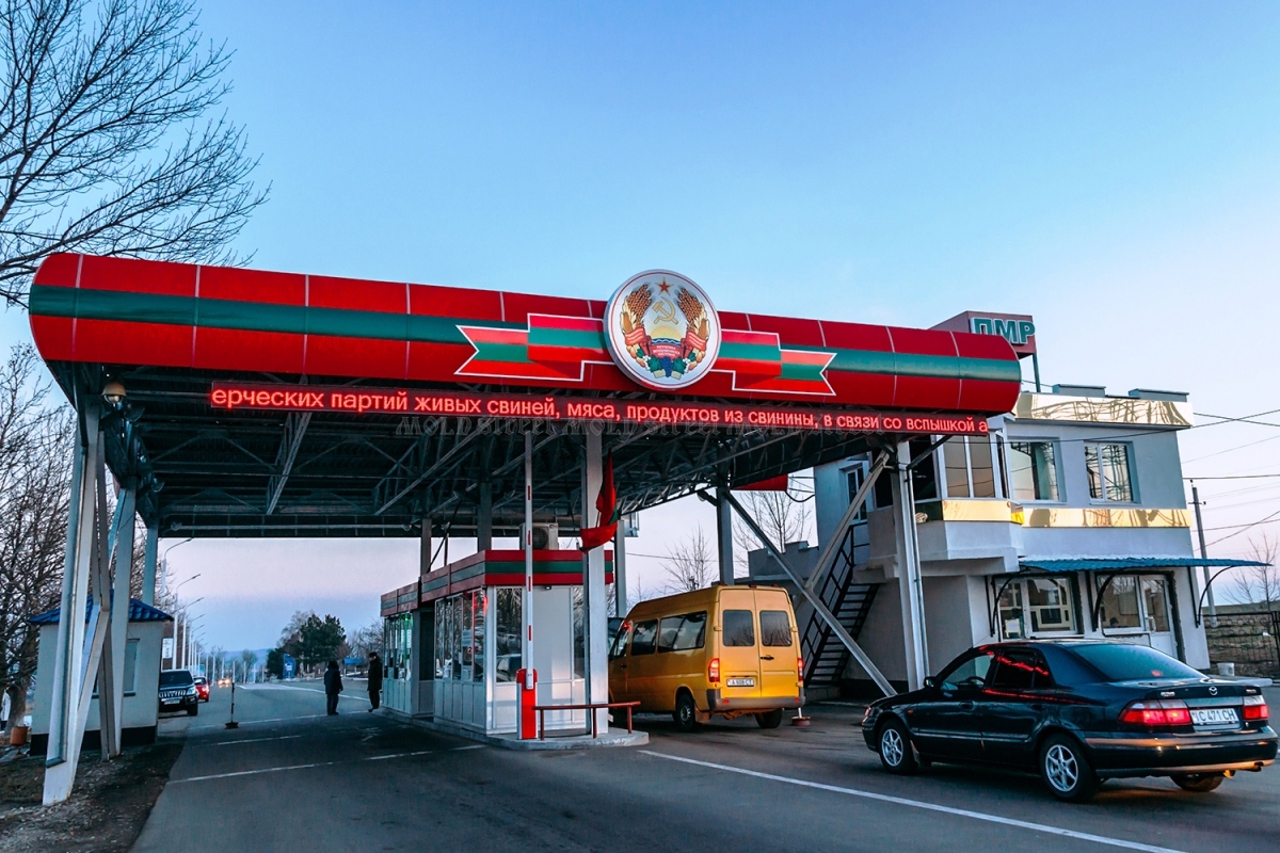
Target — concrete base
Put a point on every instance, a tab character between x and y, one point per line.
614	737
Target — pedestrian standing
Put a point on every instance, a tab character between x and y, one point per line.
375	681
332	687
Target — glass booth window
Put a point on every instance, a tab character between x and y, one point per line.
1155	599
478	607
1033	471
508	642
1110	477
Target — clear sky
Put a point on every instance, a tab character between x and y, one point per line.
1111	168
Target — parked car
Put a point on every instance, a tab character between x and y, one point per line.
1078	712
178	692
202	688
727	650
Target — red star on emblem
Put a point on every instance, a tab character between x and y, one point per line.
664	287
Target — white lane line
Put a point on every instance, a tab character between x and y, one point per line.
252	740
258	722
464	748
295	767
303	689
902	801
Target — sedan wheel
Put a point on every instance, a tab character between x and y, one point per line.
1066	771
1198	783
895	749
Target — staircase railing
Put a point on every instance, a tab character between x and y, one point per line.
818	642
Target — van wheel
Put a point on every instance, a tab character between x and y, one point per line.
770	719
686	713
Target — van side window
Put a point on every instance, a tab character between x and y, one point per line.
642	638
667	631
739	628
619	647
692	633
775	628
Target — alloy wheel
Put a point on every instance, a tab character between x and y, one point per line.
892	747
1061	768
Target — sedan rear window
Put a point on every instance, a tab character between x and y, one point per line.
1122	662
175	678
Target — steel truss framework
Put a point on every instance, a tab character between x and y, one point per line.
209	473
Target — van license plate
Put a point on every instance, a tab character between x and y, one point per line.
1214	717
741	682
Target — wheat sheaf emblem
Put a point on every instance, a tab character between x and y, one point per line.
651	331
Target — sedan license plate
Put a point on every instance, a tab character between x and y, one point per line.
741	682
1214	717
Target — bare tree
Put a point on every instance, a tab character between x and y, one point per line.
108	139
784	516
1259	584
690	563
35	471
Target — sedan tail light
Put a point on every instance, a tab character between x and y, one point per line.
1255	709
1168	712
713	671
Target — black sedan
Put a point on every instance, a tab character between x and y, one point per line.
1078	712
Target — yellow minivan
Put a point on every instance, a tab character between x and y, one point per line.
727	650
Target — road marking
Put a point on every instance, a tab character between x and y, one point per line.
258	722
473	746
902	801
253	740
295	687
296	767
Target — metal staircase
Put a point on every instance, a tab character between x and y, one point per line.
824	655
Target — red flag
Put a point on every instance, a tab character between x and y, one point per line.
607	506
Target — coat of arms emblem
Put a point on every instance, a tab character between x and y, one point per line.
662	330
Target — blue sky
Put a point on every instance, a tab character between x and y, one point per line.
1111	168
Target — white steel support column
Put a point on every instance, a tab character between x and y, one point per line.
526	600
620	570
595	617
111	681
149	554
910	584
724	535
68	665
100	611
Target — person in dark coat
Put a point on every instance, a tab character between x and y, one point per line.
332	686
375	681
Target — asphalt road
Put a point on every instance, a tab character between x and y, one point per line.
292	779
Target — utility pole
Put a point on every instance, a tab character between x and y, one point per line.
1195	500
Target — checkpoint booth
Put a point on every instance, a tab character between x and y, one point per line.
469	618
227	402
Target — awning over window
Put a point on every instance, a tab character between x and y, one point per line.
1122	563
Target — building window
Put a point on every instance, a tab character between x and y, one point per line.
1033	471
1037	606
968	468
1110	475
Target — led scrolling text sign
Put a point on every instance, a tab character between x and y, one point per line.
392	401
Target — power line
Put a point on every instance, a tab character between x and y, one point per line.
1235	477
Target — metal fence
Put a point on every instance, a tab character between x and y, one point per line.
1250	640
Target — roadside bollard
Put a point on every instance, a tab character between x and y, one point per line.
231	723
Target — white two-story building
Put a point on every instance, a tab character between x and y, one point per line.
1068	520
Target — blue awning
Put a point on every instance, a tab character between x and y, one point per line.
1120	564
138	612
